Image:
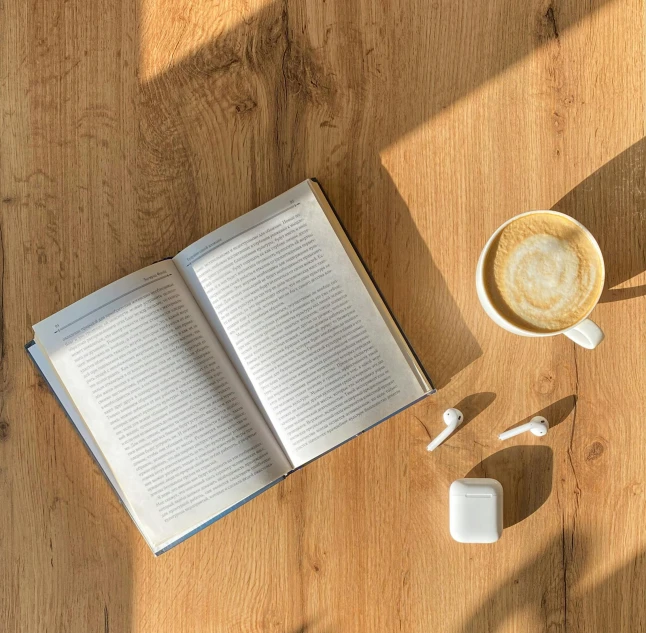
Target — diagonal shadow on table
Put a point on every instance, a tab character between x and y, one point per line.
268	103
240	120
82	558
611	203
589	608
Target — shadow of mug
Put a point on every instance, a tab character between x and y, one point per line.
525	473
611	203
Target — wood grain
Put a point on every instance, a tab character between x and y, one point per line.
131	129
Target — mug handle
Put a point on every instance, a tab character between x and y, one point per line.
587	334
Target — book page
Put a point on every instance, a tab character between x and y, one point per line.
50	375
296	313
167	410
205	245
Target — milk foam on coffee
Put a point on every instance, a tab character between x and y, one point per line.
543	273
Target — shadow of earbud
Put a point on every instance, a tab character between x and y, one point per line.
525	473
470	407
554	413
473	405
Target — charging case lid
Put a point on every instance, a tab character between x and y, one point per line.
475	487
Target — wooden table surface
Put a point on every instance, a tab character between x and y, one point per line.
132	127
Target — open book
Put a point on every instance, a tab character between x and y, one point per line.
198	382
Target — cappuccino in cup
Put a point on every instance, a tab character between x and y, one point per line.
542	273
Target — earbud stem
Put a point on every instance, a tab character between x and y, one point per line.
440	438
513	432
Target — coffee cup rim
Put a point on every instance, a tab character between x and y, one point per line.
480	273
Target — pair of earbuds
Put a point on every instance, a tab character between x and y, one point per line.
538	425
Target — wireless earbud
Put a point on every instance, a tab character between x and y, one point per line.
537	425
452	418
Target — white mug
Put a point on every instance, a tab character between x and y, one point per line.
584	333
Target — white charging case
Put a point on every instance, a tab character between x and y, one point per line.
475	510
